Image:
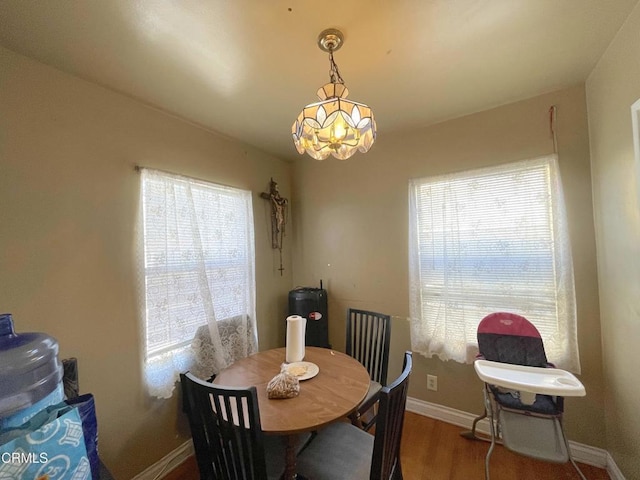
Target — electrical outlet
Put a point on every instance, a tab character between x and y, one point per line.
432	383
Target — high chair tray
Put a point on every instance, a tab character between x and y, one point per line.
548	381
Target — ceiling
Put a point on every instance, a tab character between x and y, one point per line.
245	68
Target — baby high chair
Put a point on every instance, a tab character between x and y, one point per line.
523	394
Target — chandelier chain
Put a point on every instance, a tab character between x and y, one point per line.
334	73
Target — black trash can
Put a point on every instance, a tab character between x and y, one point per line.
311	303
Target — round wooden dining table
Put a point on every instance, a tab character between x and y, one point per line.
340	385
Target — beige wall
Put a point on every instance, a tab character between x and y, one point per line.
612	87
351	221
68	202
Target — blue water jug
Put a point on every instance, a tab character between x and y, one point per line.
30	374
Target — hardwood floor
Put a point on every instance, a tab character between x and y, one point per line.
434	450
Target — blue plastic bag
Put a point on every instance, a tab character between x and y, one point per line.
87	409
51	445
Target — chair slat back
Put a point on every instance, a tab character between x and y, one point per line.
226	431
368	336
385	464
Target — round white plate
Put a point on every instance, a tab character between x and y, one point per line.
312	369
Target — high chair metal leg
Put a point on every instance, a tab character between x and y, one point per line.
471	434
575	465
577	469
492	429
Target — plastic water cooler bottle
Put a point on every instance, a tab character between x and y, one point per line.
30	374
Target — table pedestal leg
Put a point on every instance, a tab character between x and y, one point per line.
291	443
290	457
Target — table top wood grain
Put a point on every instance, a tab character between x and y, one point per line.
335	392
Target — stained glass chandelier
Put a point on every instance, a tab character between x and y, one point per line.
334	125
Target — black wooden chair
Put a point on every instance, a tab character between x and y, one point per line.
368	336
225	425
345	451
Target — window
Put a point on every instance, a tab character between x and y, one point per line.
488	240
198	265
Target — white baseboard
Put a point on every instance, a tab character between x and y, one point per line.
580	452
162	467
613	470
446	414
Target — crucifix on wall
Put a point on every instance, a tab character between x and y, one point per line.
279	210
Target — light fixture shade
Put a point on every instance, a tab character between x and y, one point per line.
334	125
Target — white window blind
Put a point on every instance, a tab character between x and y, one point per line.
488	240
198	268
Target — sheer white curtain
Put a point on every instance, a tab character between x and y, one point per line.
487	240
197	268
